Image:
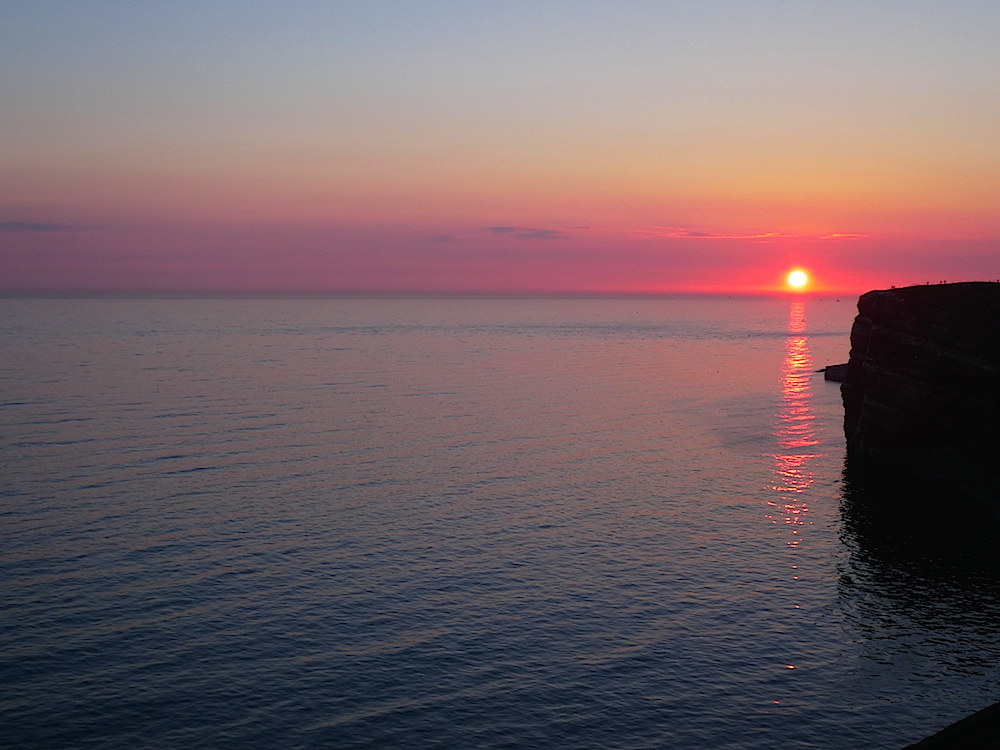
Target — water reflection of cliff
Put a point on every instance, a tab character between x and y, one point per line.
921	598
795	429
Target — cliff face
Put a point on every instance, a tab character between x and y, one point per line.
922	389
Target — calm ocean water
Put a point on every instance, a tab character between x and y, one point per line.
457	523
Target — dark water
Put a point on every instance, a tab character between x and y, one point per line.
365	523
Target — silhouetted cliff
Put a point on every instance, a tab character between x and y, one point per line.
922	390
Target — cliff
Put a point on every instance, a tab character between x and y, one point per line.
922	391
976	732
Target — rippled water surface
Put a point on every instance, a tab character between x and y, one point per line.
457	523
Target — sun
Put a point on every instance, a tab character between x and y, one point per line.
798	278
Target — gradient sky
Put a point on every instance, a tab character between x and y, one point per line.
386	145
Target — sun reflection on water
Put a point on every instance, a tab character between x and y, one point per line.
795	428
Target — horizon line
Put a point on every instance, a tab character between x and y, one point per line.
403	293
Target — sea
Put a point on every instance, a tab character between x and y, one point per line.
360	522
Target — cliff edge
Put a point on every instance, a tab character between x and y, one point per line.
922	390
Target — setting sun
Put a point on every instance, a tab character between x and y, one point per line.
798	279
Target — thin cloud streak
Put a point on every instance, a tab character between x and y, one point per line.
664	231
527	233
32	226
690	233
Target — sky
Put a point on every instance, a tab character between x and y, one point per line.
592	146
